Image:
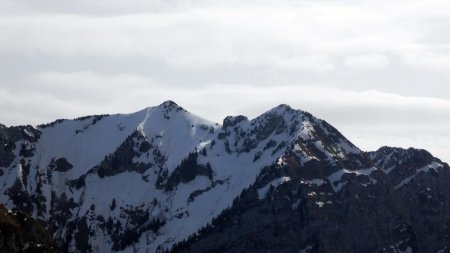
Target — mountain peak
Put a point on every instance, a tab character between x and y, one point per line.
233	120
169	173
282	109
284	106
169	104
402	151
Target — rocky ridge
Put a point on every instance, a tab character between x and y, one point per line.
164	179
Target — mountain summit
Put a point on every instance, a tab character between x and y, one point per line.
163	179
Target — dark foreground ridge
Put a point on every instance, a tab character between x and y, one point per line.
19	232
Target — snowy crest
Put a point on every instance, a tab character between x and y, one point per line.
147	180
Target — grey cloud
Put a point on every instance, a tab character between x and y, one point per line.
64	59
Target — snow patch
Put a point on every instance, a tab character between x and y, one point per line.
320	203
28	133
306	249
316	182
347	148
307	130
319	145
296	204
388	170
262	192
432	166
337	176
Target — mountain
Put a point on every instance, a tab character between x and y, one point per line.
163	179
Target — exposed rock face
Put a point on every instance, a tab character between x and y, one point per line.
122	159
9	137
19	232
162	178
373	212
187	171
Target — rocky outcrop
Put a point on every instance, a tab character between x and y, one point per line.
122	159
9	138
188	169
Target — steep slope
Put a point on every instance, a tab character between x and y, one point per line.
370	211
145	181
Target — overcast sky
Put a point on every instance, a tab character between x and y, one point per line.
379	71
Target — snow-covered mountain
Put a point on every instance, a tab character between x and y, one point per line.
163	177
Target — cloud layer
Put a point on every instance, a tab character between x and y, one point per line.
377	71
